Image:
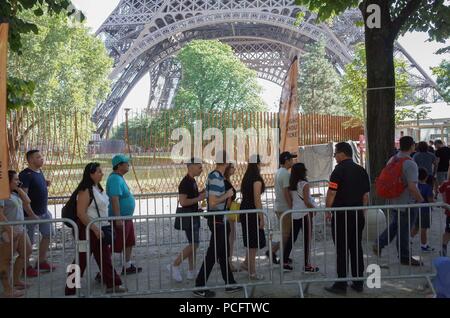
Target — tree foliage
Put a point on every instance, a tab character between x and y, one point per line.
393	18
319	84
355	80
64	67
214	79
442	72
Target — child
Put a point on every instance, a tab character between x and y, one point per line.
423	220
445	190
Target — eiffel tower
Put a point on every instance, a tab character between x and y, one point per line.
143	36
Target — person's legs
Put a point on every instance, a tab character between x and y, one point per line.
46	230
82	258
355	225
222	233
391	231
407	220
210	259
339	239
5	261
102	255
307	225
231	239
297	225
24	250
446	237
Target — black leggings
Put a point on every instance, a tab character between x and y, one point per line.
219	249
297	225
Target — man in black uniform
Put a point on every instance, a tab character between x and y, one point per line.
349	186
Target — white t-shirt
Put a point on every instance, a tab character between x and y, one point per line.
297	201
281	181
103	204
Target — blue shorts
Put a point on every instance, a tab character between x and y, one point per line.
46	229
195	231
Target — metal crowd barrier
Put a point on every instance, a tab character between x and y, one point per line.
46	284
155	258
374	248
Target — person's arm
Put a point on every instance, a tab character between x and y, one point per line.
27	204
185	202
25	178
306	196
257	187
331	195
287	197
7	231
436	165
412	187
215	200
83	202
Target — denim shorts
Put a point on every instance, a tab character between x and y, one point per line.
46	229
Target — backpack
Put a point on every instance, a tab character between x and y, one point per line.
389	183
69	210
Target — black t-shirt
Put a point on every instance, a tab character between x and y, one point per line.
189	187
351	182
229	186
248	199
37	190
444	156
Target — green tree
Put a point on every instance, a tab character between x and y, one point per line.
214	79
318	84
20	91
68	66
355	79
442	72
392	18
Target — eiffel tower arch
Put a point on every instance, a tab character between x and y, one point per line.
143	36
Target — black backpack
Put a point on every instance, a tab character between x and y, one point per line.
69	210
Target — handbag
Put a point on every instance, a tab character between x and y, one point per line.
185	223
107	233
235	206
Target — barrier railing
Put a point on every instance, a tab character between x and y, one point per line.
343	230
50	282
157	259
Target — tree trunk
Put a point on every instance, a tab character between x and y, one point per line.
380	92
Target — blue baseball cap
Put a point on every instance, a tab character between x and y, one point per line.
118	159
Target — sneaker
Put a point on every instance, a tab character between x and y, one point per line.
98	278
359	288
413	261
31	272
310	269
116	290
376	250
235	289
204	293
427	248
45	266
287	268
176	274
275	259
131	270
256	277
191	275
335	289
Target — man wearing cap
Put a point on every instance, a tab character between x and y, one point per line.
122	203
283	201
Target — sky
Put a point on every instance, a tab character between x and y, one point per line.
415	43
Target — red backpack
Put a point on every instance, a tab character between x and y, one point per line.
389	184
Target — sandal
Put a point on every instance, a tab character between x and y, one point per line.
256	277
14	294
21	285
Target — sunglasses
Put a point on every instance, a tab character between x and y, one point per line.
93	167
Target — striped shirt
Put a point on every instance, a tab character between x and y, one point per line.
215	186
